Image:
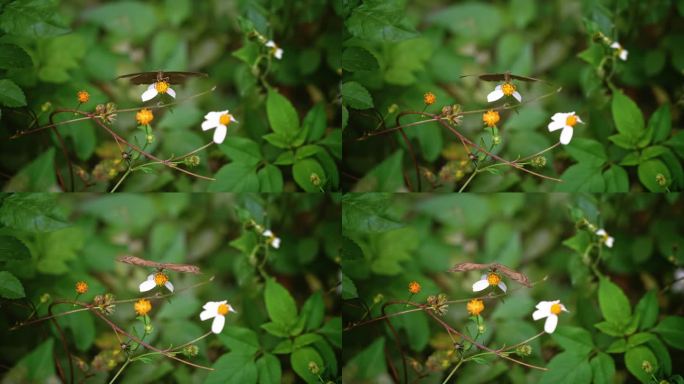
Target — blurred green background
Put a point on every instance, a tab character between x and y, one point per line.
393	239
52	49
49	242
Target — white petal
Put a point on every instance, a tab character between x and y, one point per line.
267	233
616	45
560	116
278	54
220	134
502	286
623	55
601	232
566	135
149	94
217	325
213	116
169	286
209	124
480	285
211	306
546	305
609	242
206	314
579	120
517	96
230	308
495	94
171	92
549	325
556	125
270	44
539	314
147	285
563	308
276	243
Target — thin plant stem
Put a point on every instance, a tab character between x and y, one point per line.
453	371
125	364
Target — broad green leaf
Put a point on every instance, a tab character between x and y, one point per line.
36	367
125	18
567	368
603	368
59	55
330	167
10	286
12	248
614	304
38	175
654	175
332	330
481	22
276	329
282	116
627	116
639	338
32	213
358	59
315	122
277	140
82	327
356	95
349	290
391	248
314	311
241	150
11	95
280	305
648	309
240	340
309	175
652	152
662	353
617	346
402	68
58	248
233	368
582	178
14	56
616	179
301	360
380	22
369	363
637	358
671	328
307	151
623	141
661	123
31	18
365	213
574	340
235	177
306	339
385	177
268	367
270	179
587	151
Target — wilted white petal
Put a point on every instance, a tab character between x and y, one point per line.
549	325
219	321
566	135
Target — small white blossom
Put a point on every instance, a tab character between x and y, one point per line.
678	285
622	53
220	121
550	310
490	279
607	240
501	90
156	280
276	51
566	122
157	88
217	310
272	239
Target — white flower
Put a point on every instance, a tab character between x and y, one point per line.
159	87
550	310
276	51
607	240
218	310
492	279
220	121
565	121
505	89
156	280
622	53
272	239
678	285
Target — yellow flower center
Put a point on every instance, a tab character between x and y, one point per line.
475	307
161	86
414	287
81	287
225	119
142	307
83	96
490	118
508	89
493	279
571	120
222	309
556	309
160	279
429	98
144	116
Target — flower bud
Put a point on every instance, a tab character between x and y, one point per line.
190	350
539	161
313	368
315	179
647	366
661	179
524	350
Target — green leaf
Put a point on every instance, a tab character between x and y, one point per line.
627	116
671	329
676	142
623	141
241	340
277	140
616	179
587	151
392	248
635	359
385	177
31	18
603	368
582	178
280	305
639	338
235	177
315	122
31	213
14	56
282	116
365	213
12	248
38	175
330	168
313	311
306	339
614	304
380	22
284	347
307	151
662	353
358	59
356	95
479	22
233	368
270	179
661	123
648	309
241	150
125	18
268	367
59	55
349	290
332	330
617	346
11	95
651	152
402	68
610	328
36	367
651	172
574	339
82	327
309	175
10	286
567	367
370	363
300	360
57	248
276	329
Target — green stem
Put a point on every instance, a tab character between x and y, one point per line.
472	175
125	175
120	370
453	371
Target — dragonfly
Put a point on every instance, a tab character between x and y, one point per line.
494	267
159	76
153	264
